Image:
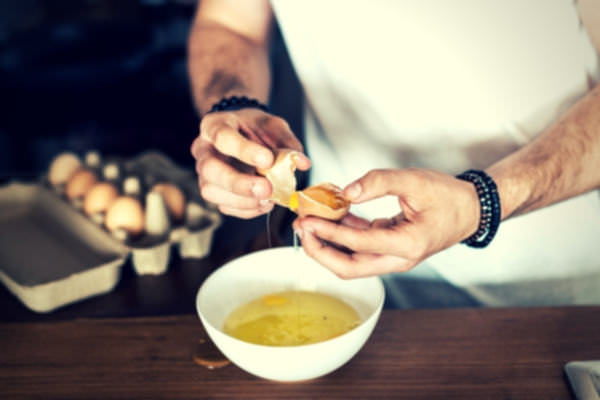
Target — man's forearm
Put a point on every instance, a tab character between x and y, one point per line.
224	63
562	162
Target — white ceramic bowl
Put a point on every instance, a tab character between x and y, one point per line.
279	269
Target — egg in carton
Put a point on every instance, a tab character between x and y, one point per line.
67	218
61	169
69	177
94	187
144	227
193	221
148	203
72	178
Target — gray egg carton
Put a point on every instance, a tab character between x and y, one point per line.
52	254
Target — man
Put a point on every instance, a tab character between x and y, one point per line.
401	96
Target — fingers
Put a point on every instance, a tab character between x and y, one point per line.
354	265
374	240
229	147
276	133
214	171
378	183
383	223
246	213
218	195
353	221
287	137
229	141
236	194
302	162
248	135
195	147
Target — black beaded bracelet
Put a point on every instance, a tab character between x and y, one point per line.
489	201
236	103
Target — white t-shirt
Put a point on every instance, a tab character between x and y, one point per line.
452	85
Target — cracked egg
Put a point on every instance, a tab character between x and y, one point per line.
324	200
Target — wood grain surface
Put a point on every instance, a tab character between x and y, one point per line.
416	354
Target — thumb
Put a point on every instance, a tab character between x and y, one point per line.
377	183
277	134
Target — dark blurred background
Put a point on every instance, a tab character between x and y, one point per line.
108	75
111	75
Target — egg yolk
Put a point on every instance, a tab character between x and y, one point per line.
293	202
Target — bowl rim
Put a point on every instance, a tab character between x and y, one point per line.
374	314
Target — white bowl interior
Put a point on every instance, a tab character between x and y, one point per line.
280	269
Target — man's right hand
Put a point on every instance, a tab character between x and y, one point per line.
231	145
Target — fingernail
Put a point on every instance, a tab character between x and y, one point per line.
264	203
299	232
261	160
353	190
258	190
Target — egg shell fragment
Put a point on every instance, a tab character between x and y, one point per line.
281	175
325	200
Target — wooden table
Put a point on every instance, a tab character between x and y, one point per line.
476	353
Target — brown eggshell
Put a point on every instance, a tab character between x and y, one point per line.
79	184
325	200
173	197
125	213
99	198
281	175
62	168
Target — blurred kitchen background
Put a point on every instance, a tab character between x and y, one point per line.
108	75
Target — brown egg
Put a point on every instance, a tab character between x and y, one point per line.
99	198
125	213
173	197
281	175
80	183
62	168
325	200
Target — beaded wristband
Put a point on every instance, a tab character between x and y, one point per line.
237	103
490	208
